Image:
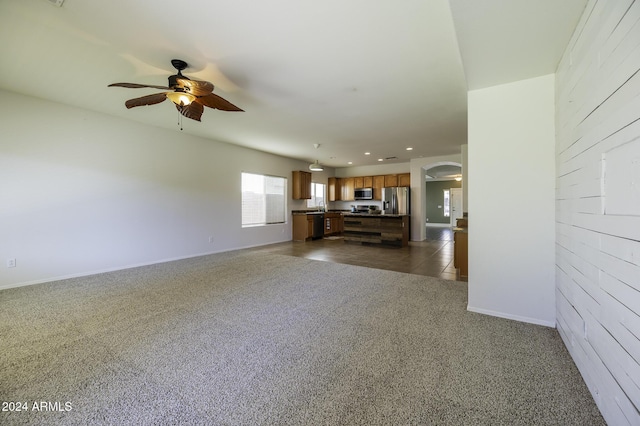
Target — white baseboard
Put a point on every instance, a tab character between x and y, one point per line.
121	268
519	318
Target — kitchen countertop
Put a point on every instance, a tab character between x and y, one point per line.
374	215
307	212
348	213
319	212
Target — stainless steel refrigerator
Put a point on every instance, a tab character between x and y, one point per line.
396	200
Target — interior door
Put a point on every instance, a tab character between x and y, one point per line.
456	205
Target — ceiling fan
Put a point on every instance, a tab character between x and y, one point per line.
189	96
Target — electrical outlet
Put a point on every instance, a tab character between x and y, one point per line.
11	263
211	239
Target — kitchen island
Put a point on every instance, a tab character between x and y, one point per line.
376	229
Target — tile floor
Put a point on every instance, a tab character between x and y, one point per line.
432	257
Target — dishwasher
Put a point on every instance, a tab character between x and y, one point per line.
318	226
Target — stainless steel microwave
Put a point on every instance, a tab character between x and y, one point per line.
363	193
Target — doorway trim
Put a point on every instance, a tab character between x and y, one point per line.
453	217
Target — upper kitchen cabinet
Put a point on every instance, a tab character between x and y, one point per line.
335	189
390	181
301	185
342	189
402	179
378	184
348	185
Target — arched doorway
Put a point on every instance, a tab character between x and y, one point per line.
443	195
446	167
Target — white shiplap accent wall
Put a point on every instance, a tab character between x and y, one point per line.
598	204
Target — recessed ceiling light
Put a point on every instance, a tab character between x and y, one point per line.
367	153
349	162
409	148
380	159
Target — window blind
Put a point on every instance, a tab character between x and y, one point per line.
263	199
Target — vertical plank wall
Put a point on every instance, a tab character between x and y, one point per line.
598	204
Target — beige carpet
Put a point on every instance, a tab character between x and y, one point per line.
244	338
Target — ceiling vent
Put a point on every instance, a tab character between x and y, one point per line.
391	158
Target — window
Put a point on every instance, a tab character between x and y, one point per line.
318	199
447	204
263	199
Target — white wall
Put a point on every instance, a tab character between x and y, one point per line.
598	205
84	192
465	178
511	200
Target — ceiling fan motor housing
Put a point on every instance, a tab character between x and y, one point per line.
173	81
178	64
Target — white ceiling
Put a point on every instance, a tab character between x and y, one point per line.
502	41
353	76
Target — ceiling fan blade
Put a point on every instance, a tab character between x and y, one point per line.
138	86
146	100
195	87
216	102
193	111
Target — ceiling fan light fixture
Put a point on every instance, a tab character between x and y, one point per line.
181	98
315	167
